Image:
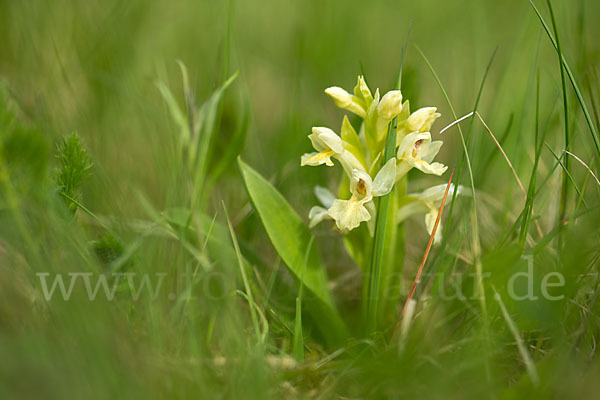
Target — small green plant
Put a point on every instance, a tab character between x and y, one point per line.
371	173
375	160
75	167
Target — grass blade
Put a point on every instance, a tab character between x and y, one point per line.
244	276
298	346
567	173
565	188
529	365
584	108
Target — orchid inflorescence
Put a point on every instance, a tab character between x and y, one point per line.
360	155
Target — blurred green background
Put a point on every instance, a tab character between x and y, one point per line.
91	66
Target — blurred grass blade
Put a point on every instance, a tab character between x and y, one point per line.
528	208
565	187
202	143
290	238
298	346
176	113
567	173
580	161
242	266
444	244
529	365
588	118
234	147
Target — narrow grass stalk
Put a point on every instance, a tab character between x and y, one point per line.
298	344
584	164
529	365
373	288
405	323
383	206
88	212
531	188
462	137
247	288
567	173
460	168
514	172
565	187
586	113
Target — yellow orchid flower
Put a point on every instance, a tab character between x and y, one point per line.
418	151
328	144
348	214
427	202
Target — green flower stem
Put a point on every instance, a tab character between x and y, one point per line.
383	208
373	287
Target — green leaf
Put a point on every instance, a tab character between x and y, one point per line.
178	116
290	238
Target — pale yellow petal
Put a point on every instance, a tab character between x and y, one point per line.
329	139
385	178
348	214
430	219
316	215
324	195
413	207
428	151
435	168
314	159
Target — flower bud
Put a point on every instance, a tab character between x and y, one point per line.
390	105
345	100
422	119
362	90
340	97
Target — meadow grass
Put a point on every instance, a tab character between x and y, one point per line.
162	141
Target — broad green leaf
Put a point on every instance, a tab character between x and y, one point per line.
290	238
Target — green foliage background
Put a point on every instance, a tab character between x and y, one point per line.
91	67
